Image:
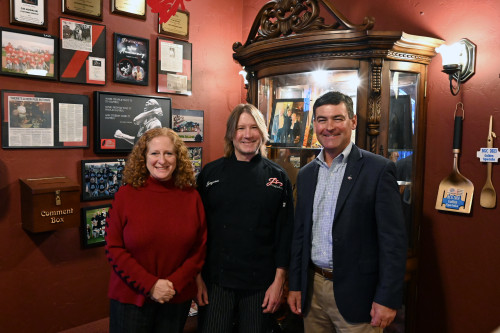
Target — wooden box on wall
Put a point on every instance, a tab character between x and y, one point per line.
50	203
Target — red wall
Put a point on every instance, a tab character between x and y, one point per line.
459	273
47	282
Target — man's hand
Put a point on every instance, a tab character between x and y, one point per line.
382	316
272	299
202	295
294	301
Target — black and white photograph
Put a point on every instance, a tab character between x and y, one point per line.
121	119
188	124
131	59
93	225
28	54
195	154
101	179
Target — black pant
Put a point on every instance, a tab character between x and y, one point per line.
231	309
149	318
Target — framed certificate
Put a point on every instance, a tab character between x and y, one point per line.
174	66
132	8
86	8
177	26
30	13
131	59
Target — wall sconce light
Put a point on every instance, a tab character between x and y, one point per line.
459	61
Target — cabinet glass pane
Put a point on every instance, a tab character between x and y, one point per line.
286	102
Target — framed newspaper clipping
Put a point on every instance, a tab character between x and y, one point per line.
174	66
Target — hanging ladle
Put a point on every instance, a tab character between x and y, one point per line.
488	198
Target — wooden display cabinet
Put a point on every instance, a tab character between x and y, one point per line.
297	50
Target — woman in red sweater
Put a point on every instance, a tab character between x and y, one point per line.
155	237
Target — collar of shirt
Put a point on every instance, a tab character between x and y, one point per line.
341	158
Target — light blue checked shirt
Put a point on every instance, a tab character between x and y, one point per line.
325	201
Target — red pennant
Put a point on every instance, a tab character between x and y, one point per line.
166	8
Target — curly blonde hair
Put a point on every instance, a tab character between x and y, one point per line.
136	172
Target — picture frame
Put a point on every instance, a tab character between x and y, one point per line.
86	8
177	26
28	54
131	59
121	119
174	63
93	222
195	155
44	120
136	9
82	50
101	179
287	123
188	124
29	13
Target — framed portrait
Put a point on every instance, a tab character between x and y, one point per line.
135	8
93	225
195	157
82	49
174	66
188	124
177	26
101	178
86	8
121	119
131	59
28	54
32	119
29	13
287	123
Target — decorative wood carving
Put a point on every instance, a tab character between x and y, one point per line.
374	103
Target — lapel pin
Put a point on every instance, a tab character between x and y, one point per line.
349	177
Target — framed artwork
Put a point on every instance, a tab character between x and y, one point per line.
121	119
28	54
174	66
131	59
195	157
29	13
188	124
82	50
86	8
101	178
93	225
177	26
135	8
44	120
287	123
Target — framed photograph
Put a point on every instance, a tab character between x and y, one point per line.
287	123
93	225
86	8
44	120
174	66
28	54
121	119
177	26
101	178
135	8
131	59
195	157
188	124
82	51
29	13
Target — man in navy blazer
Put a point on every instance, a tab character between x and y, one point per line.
349	244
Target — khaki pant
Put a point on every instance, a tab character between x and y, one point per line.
324	316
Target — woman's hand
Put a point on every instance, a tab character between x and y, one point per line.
162	291
202	295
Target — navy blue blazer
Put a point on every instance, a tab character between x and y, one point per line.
368	233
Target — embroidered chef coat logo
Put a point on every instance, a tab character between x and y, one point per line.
211	183
274	182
